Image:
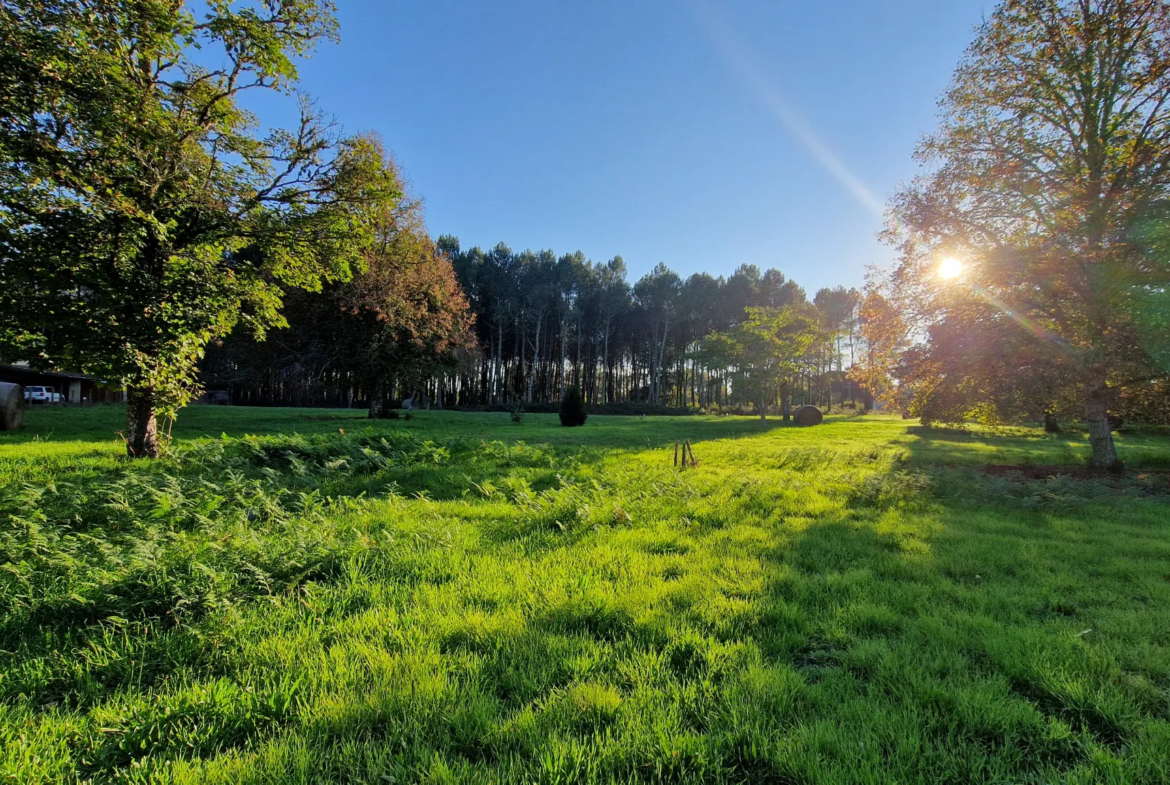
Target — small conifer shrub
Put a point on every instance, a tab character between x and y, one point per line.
573	408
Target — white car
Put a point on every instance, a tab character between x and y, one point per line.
37	394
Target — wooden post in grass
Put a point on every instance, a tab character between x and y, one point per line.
688	455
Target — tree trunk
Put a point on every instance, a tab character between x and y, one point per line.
141	426
605	370
377	401
535	361
1050	423
498	383
1104	452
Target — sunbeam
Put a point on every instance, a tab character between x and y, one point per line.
739	57
1023	321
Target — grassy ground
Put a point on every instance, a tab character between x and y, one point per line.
457	598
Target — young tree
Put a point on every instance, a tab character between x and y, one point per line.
884	335
573	413
142	213
1052	158
765	349
405	314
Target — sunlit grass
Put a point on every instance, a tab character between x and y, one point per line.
457	598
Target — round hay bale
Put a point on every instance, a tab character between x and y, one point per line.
808	415
11	406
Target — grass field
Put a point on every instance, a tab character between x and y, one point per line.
460	599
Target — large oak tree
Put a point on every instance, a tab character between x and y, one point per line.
143	212
1049	175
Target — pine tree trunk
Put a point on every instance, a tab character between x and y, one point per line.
535	362
141	425
1104	452
377	400
606	371
498	382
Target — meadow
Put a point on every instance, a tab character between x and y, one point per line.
305	596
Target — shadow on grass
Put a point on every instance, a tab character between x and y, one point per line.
1142	448
100	424
870	615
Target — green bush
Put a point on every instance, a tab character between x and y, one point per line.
573	408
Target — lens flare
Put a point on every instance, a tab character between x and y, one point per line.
740	57
949	269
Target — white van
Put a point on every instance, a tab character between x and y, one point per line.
38	394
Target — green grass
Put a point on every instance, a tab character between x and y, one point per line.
461	599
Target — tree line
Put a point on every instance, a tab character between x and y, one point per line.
542	323
545	322
151	233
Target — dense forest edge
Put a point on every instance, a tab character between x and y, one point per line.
544	322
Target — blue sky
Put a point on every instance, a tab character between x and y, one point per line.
699	133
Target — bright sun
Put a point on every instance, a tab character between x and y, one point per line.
950	268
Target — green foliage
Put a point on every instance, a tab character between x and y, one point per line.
573	413
635	340
1048	175
435	601
144	213
765	349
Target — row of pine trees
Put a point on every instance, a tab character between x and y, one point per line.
545	322
537	323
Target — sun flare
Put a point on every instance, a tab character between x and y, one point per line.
950	269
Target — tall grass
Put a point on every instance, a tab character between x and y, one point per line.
459	599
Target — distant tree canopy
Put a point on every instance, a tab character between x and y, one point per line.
545	322
1050	178
541	323
152	234
143	214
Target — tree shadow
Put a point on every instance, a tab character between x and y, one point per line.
1142	449
100	424
844	590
